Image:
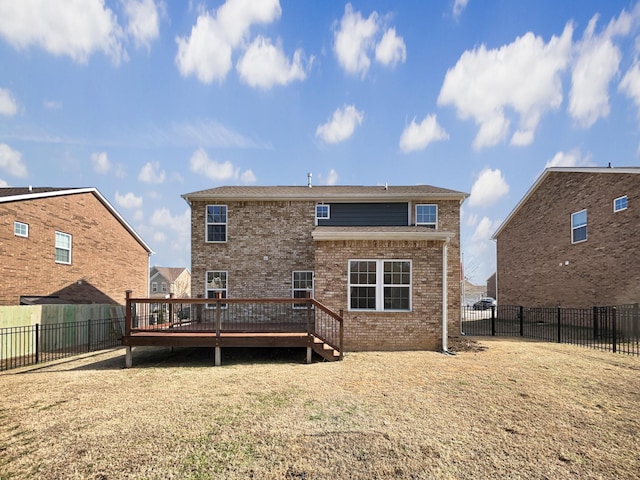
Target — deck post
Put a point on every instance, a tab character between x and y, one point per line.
127	313
128	360
309	354
217	355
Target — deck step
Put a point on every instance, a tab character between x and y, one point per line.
325	350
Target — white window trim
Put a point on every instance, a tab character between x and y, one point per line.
154	287
328	212
17	224
428	224
206	224
615	210
56	247
379	284
225	289
574	228
293	289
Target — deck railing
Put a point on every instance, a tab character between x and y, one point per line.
227	315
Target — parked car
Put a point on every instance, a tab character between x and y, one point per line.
484	303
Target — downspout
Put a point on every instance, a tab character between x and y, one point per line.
445	246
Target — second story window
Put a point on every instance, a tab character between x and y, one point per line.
216	223
620	204
154	287
63	248
579	226
20	229
322	212
427	215
164	287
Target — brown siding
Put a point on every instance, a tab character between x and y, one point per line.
106	258
534	248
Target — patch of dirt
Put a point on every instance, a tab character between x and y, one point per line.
464	344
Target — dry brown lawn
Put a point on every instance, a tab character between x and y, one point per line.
516	410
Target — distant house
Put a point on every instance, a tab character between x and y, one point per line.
166	280
492	286
572	240
387	257
67	246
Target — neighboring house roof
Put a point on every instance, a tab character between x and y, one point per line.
567	170
327	193
13	194
170	273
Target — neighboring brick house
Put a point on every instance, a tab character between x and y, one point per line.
492	286
166	280
572	240
67	246
377	253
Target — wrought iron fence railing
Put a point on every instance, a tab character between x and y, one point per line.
615	329
32	344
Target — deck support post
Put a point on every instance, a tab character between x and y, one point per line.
309	354
128	360
217	356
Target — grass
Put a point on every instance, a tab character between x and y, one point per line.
515	409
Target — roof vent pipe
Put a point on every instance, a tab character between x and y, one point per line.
309	179
30	188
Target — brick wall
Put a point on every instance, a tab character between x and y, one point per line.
539	266
266	241
106	259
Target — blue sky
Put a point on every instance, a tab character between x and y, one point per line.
147	99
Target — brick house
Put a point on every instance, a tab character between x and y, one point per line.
572	240
376	253
67	246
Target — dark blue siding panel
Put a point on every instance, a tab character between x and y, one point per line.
367	215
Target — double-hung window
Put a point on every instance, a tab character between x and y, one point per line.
427	215
620	204
579	226
154	287
381	285
21	229
63	248
216	284
216	223
302	286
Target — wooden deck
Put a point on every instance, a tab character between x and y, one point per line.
318	329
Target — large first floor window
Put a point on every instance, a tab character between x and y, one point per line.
302	286
380	285
216	283
63	248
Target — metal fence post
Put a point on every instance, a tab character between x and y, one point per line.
37	342
493	321
521	316
559	316
595	322
88	335
613	326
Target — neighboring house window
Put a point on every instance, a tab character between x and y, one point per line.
63	248
216	223
21	229
216	282
302	285
427	215
620	203
380	285
579	226
154	287
164	287
322	212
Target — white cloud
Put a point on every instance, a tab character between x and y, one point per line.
52	104
206	53
264	65
128	200
175	228
356	39
488	188
144	18
3	184
332	178
101	163
459	6
11	161
573	158
630	84
75	28
418	136
341	125
391	49
483	233
219	171
8	104
523	76
152	173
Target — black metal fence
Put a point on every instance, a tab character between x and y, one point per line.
32	344
615	329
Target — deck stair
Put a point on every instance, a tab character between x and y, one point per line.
325	350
